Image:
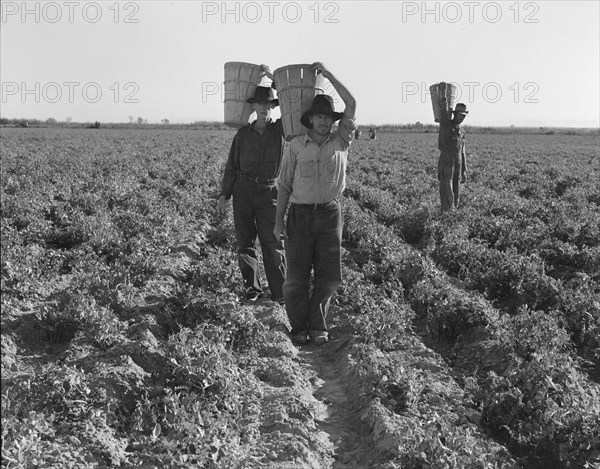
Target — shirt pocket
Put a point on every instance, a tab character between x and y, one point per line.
334	167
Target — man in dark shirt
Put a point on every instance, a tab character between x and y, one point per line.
452	165
251	177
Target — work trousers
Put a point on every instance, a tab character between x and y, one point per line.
449	169
254	208
313	246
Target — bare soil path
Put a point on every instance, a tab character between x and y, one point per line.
310	417
339	415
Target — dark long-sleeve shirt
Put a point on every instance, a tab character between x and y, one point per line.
253	155
451	140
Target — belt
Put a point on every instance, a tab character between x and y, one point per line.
319	207
258	180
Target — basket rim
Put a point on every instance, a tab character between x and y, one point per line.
286	67
242	63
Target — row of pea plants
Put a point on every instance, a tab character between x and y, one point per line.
551	405
516	253
432	420
195	402
516	280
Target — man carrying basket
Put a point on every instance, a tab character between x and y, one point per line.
312	178
251	177
452	164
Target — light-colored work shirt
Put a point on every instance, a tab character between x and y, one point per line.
313	173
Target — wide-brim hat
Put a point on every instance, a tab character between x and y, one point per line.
263	94
322	104
461	108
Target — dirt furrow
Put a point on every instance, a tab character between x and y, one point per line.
338	415
309	418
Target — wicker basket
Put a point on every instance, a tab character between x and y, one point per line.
438	91
241	79
297	85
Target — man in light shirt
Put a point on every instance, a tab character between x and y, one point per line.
312	178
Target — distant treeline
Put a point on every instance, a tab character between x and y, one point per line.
216	125
4	122
433	128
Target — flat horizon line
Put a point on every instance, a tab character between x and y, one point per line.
217	122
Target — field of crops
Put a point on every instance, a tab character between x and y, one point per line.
469	340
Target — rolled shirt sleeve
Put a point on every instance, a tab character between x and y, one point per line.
345	131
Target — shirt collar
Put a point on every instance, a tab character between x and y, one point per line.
251	124
307	139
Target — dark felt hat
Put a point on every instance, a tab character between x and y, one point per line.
263	94
322	104
461	108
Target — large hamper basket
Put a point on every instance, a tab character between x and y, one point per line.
241	79
297	85
438	91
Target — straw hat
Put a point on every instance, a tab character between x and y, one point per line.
461	108
263	94
322	104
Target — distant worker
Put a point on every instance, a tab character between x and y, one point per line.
372	133
356	134
251	177
452	164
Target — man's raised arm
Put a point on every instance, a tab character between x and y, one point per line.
346	96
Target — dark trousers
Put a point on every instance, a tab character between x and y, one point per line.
449	169
254	207
314	245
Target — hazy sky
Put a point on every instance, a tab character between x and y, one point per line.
523	63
